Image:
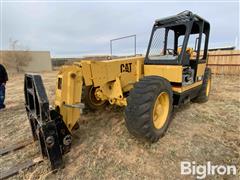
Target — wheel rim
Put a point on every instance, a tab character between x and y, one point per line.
161	109
93	98
208	87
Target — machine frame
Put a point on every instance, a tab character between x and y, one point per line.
147	88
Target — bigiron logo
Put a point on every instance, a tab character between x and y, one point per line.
202	171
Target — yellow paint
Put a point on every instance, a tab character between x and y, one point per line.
208	87
106	75
86	72
181	89
173	73
112	78
106	71
112	91
161	110
201	69
69	94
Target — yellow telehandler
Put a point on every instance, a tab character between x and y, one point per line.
170	74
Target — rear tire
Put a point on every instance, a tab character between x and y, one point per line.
205	89
149	108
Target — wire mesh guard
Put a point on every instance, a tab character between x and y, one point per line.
157	44
124	46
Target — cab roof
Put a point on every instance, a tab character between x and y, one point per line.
182	18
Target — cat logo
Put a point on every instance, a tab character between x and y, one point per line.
126	67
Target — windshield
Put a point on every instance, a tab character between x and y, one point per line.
157	51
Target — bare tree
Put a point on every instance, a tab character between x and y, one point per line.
17	58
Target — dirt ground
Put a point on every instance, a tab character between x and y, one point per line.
103	148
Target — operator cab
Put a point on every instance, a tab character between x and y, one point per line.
179	40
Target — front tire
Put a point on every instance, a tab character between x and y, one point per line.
149	108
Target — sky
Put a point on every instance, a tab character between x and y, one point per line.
74	29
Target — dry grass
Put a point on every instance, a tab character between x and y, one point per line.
103	148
